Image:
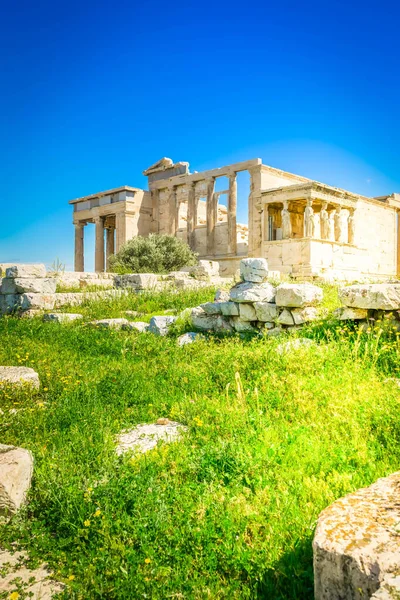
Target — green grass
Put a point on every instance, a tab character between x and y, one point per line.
227	512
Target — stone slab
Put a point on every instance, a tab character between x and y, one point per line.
297	295
161	325
254	269
378	296
26	270
16	469
19	376
61	317
253	292
145	437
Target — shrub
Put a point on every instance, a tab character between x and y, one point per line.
152	254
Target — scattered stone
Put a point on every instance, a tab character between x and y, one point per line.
211	308
161	325
351	314
139	326
138	281
201	320
205	269
42	301
247	312
297	295
378	296
61	317
16	468
253	292
254	269
189	338
19	376
111	323
357	545
31	313
286	318
26	271
304	315
294	345
221	296
243	326
19	285
275	331
145	437
229	309
266	311
35	584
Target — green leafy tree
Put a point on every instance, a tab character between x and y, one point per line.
153	254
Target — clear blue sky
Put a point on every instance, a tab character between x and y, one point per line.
94	92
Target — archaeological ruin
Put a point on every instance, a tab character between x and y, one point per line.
302	227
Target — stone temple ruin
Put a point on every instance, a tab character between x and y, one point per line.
302	227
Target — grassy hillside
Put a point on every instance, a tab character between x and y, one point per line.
228	511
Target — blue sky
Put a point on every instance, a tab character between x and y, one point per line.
92	93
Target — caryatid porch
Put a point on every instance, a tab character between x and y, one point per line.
308	228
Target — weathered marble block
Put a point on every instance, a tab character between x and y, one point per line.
304	315
161	325
19	376
29	271
20	285
247	312
266	311
253	292
16	468
254	269
297	295
351	314
379	296
43	301
229	309
211	308
357	545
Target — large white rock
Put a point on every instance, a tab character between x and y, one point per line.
111	323
242	326
297	295
351	314
253	292
221	296
139	326
139	281
211	308
201	320
254	269
26	271
145	437
247	312
42	301
304	315
229	309
16	468
285	318
161	325
36	583
205	269
19	285
357	545
266	311
379	296
61	317
19	376
189	338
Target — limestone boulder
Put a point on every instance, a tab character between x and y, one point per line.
28	271
304	315
266	311
61	317
201	320
205	269
145	437
253	292
36	583
243	326
16	468
211	308
161	325
378	296
357	545
254	269
247	312
19	376
297	295
221	296
111	323
229	309
20	285
139	326
41	301
139	281
285	317
9	303
189	338
345	313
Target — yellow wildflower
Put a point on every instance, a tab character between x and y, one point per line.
87	523
71	577
97	513
147	561
13	596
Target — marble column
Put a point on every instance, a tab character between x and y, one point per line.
351	226
155	222
79	248
232	209
211	210
110	245
265	224
99	249
172	211
191	211
255	209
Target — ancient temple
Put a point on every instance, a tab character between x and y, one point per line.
304	228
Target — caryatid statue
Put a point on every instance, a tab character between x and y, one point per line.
309	219
324	221
331	233
351	226
286	223
338	224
